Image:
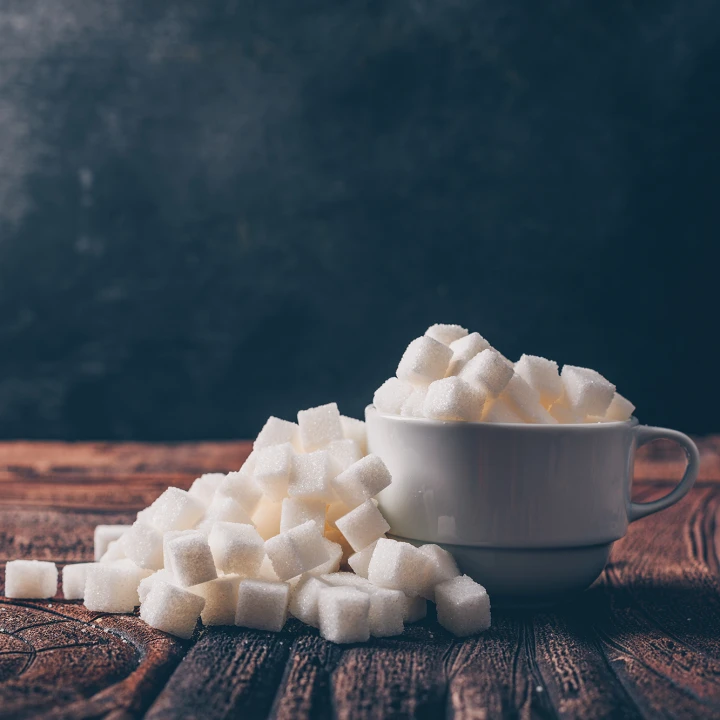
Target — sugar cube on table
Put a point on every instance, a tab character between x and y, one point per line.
272	470
463	606
387	612
360	561
355	430
361	481
344	614
146	584
205	487
221	597
413	406
587	391
442	567
223	508
243	489
424	360
32	579
276	432
104	535
114	552
319	426
488	371
236	548
297	550
525	401
620	409
332	564
73	580
262	605
399	566
176	509
343	453
446	334
296	511
453	399
391	395
312	476
498	411
304	599
191	559
363	525
542	375
267	518
171	535
113	587
464	350
172	609
415	609
143	544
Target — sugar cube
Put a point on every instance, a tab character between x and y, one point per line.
391	395
113	587
415	609
304	600
336	510
297	550
464	350
489	371
398	566
387	612
525	401
311	477
413	406
360	561
344	614
205	487
542	375
114	552
332	564
361	481
243	489
266	571
347	579
363	525
453	399
32	579
267	518
73	580
587	391
620	409
276	432
498	411
463	606
563	413
143	544
272	470
172	609
104	535
446	334
176	509
335	536
319	426
236	548
171	535
146	584
424	360
221	597
262	605
296	511
223	508
343	453
442	567
355	430
191	559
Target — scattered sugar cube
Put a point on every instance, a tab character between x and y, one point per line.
32	579
398	566
587	391
276	432
267	518
360	561
143	544
191	559
344	614
236	548
525	401
363	525
415	609
335	553
391	395
223	509
343	453
347	579
387	612
297	550
272	470
304	600
355	430
262	605
172	609
175	509
361	481
453	399
442	567
319	426
334	535
413	406
424	360
464	350
542	375
205	487
114	552
164	575
104	535
221	598
463	606
296	511
620	409
73	580
489	371
446	334
168	537
113	588
267	571
311	477
498	411
243	489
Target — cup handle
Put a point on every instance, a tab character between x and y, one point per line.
645	434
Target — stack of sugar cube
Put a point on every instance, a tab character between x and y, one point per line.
451	375
248	547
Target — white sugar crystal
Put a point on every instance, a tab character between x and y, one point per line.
236	548
362	480
104	535
413	406
463	606
620	409
355	430
319	426
525	401
363	525
32	579
416	609
262	605
453	399
242	488
360	561
172	609
267	518
442	567
175	509
146	584
344	614
304	600
221	597
276	432
391	395
312	476
446	334
272	470
398	566
145	515
144	546
424	360
343	453
542	375
113	587
191	559
168	537
297	551
498	411
587	391
489	371
223	508
205	487
114	552
73	580
296	511
464	350
332	564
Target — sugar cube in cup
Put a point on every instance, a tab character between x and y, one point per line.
463	606
73	580
446	334
525	402
424	360
413	406
464	350
620	409
488	371
391	395
453	399
104	535
542	375
32	579
172	609
587	391
262	605
344	614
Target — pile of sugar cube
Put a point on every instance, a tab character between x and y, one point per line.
249	547
452	375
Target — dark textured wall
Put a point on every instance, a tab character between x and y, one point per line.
214	211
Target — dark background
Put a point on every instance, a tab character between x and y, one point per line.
214	211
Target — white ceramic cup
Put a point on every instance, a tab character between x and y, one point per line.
529	511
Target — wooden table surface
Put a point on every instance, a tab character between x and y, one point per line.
644	641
